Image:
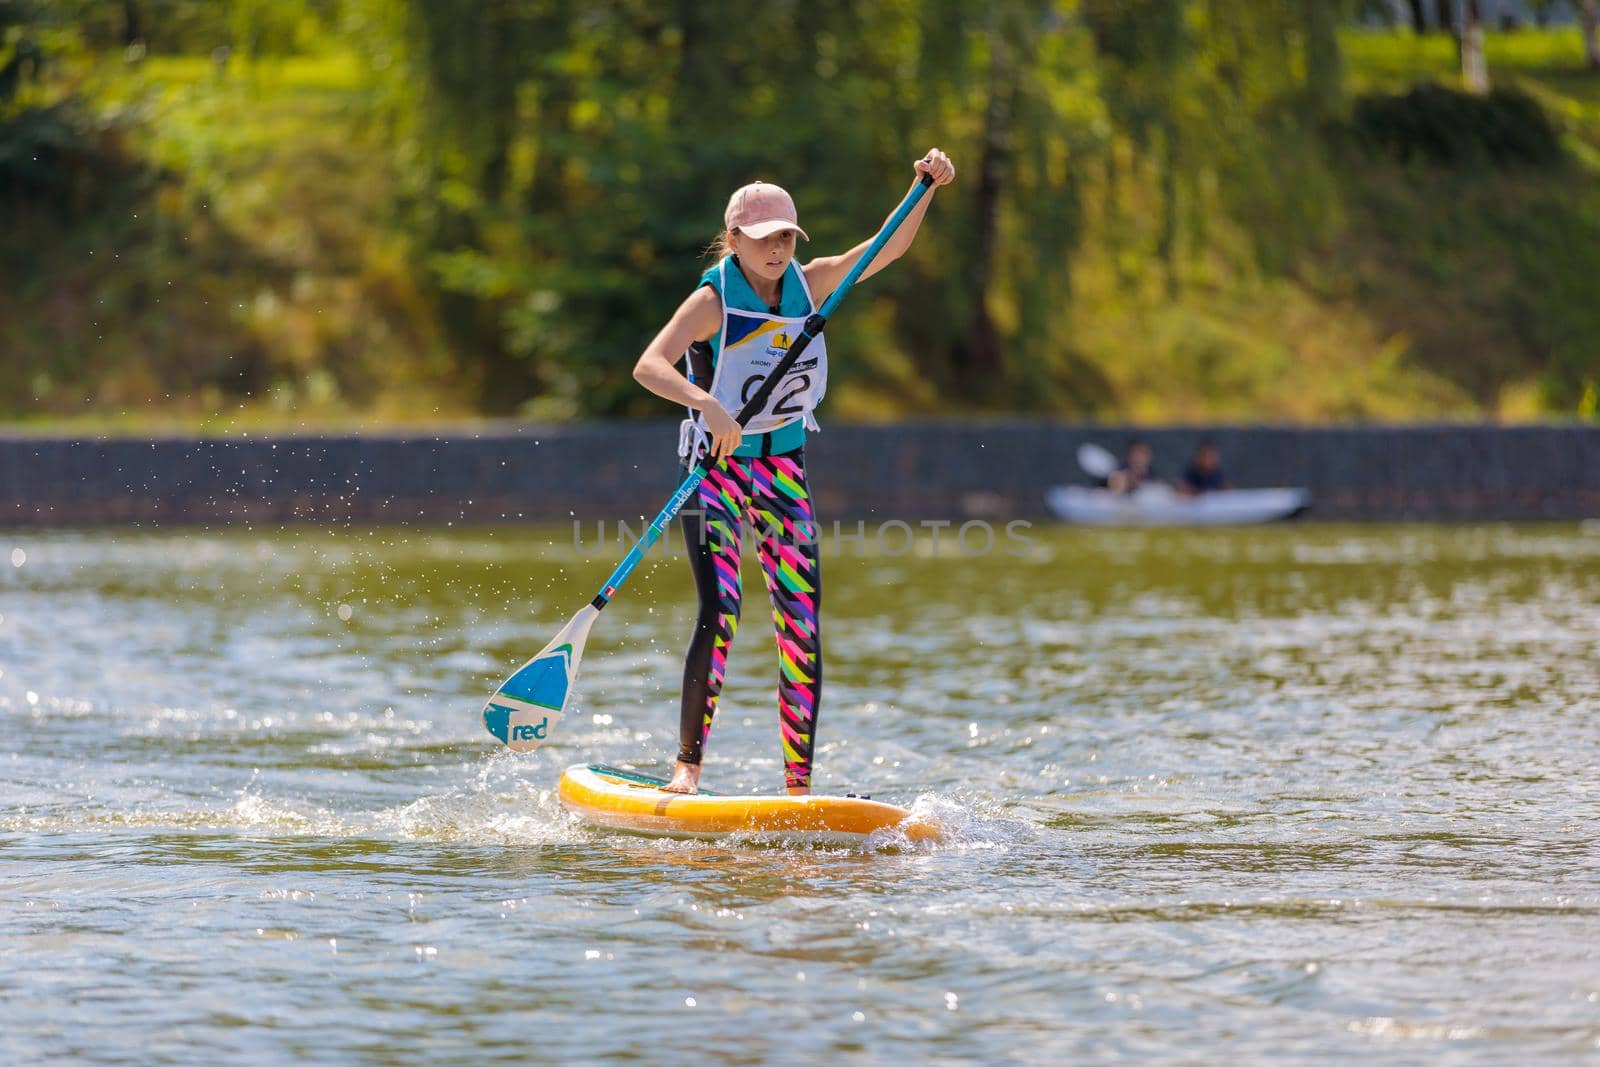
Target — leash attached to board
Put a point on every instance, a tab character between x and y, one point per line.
528	705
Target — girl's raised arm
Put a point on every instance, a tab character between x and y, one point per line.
824	273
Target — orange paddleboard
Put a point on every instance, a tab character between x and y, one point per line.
623	800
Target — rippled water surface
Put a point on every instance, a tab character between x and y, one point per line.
1255	796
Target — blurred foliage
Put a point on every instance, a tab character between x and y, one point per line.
43	144
1457	129
405	209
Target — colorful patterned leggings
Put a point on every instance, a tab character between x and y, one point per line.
769	495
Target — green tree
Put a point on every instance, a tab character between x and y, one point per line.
577	156
1469	45
569	157
1589	20
1324	64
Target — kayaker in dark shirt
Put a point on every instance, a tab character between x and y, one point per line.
1204	472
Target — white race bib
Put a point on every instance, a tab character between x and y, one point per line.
753	342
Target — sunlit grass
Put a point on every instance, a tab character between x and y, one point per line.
332	71
270	241
1549	63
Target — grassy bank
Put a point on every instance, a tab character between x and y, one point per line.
1426	293
248	268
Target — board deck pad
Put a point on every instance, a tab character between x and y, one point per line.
639	779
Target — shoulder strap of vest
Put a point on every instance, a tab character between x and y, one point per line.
805	287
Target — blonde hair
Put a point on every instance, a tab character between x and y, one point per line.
722	247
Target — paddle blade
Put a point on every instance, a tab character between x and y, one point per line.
1096	461
528	705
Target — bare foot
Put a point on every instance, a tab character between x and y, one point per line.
799	790
685	778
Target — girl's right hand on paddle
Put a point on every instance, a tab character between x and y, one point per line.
936	165
726	433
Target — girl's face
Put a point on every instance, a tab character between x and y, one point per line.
765	256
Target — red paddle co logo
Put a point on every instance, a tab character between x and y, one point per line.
527	730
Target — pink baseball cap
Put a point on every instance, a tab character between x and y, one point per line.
761	209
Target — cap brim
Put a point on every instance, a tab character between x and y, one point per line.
768	227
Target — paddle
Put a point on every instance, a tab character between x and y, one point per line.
528	705
1096	461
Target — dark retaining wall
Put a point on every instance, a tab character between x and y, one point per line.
908	471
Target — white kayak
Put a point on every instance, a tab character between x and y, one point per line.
1161	505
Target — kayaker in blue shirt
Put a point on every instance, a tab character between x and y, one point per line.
1204	472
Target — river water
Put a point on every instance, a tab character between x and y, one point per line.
1274	795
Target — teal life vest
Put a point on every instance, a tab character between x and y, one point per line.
750	342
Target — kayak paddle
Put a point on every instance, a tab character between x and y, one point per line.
1096	461
528	705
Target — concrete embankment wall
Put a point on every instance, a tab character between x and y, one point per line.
621	470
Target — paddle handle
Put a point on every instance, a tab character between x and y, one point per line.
814	326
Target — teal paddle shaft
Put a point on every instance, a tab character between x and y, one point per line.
758	402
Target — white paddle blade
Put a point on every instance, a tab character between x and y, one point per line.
528	705
1096	461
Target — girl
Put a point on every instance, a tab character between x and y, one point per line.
734	329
